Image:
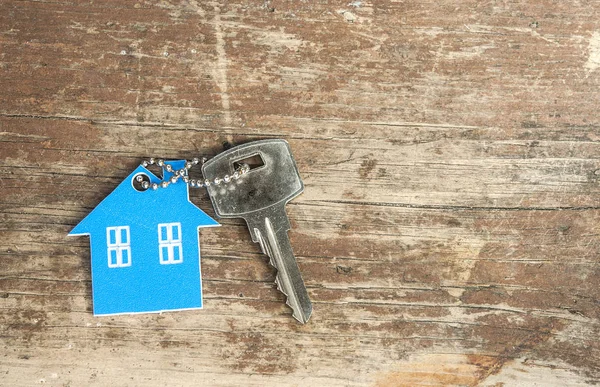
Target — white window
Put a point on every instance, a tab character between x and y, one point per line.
119	249
169	243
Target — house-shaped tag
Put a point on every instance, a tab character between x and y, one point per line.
145	247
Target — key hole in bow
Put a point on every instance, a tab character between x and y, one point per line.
254	162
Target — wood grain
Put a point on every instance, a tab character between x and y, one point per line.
449	232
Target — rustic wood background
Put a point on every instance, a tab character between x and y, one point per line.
449	232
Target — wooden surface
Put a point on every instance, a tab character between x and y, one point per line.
448	234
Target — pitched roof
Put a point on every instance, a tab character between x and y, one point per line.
126	205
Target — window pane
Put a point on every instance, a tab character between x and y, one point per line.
163	234
125	257
177	253
112	257
124	238
112	236
164	254
175	229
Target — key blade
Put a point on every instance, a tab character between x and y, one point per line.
275	243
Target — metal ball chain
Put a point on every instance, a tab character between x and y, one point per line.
183	175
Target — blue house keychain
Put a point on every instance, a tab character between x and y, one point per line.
145	244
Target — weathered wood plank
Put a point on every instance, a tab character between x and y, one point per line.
448	234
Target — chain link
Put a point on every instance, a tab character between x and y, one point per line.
183	174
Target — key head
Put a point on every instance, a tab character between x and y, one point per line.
273	184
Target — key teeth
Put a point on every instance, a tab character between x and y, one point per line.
287	298
295	314
279	287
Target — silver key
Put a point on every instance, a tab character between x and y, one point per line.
260	197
